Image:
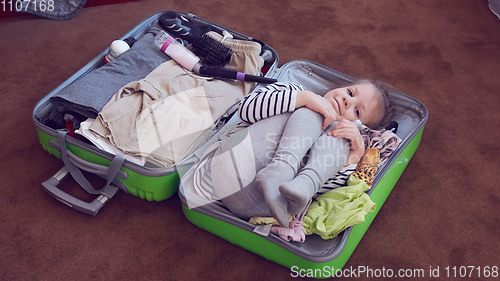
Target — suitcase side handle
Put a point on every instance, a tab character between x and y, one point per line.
73	165
90	208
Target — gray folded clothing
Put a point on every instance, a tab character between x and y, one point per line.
88	95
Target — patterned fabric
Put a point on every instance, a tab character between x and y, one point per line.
367	167
386	141
202	178
339	180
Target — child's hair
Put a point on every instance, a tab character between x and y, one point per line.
387	103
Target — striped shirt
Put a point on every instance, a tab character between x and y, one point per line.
339	180
271	100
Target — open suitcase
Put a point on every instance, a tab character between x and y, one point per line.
315	257
149	182
156	184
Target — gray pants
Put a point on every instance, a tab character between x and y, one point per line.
296	138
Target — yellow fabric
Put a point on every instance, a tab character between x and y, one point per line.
263	220
336	210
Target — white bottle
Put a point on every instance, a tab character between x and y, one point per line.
117	48
176	50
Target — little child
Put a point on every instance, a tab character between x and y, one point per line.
293	147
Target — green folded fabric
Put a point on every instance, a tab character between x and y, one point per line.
336	210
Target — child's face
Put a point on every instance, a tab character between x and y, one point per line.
360	101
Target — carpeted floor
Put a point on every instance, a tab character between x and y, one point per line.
443	212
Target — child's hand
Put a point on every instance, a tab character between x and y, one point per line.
348	130
319	104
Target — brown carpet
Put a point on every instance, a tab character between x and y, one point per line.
442	212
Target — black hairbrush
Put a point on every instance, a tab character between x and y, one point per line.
211	51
